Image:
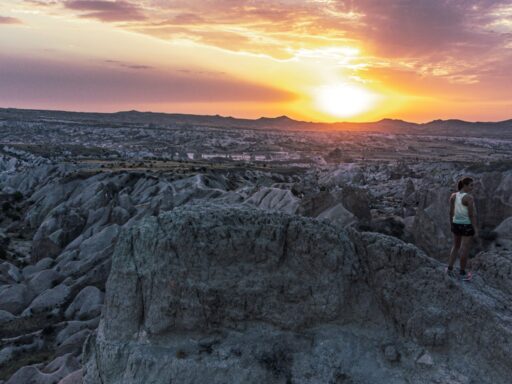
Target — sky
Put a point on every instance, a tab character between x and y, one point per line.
313	60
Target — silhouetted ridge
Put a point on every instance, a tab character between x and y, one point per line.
440	127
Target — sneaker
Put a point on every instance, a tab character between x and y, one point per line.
467	276
449	272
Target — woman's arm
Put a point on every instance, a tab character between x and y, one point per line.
452	207
472	212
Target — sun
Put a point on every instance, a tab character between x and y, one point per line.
344	100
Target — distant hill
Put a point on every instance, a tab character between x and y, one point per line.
436	127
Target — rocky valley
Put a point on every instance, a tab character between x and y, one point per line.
151	248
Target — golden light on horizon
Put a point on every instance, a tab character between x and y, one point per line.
344	100
327	62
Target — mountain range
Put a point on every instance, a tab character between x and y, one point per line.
450	127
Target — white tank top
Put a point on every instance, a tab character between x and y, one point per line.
461	215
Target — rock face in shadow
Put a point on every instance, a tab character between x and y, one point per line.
276	321
493	198
207	294
431	228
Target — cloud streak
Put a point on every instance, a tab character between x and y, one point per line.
108	11
122	64
30	80
9	20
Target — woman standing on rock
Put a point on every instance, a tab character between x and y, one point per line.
463	224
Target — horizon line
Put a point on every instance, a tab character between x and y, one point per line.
256	119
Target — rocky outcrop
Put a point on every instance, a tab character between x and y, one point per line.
206	294
493	197
274	199
56	254
431	228
59	249
345	206
53	372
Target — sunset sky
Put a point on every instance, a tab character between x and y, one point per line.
321	60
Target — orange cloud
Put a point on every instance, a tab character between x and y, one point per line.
437	35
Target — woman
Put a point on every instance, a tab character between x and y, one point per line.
463	224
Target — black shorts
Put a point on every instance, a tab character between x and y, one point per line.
463	229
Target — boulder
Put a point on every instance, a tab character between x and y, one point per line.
43	248
86	305
9	273
73	378
99	241
74	326
14	298
50	299
5	316
120	215
504	229
43	280
41	265
74	343
61	226
52	373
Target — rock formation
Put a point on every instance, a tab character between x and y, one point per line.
269	296
212	294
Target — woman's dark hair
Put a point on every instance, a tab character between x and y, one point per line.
464	181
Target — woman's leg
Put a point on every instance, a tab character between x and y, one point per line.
455	250
464	251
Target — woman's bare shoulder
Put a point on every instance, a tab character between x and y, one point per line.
467	198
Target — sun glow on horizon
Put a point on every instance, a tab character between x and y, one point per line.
325	62
344	100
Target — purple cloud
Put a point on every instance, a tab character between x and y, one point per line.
107	10
42	3
35	82
9	20
128	65
456	40
410	27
